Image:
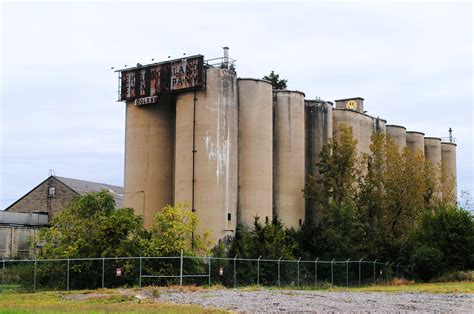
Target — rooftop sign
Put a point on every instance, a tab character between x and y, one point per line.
162	78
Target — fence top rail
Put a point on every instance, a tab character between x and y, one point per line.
204	258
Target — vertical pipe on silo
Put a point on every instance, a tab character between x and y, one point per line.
288	157
255	150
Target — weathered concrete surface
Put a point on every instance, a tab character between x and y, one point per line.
398	134
255	150
149	158
416	141
289	157
216	140
448	163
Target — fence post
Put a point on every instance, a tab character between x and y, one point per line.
298	268
34	277
347	272
360	262
397	270
258	269
140	273
67	277
332	271
3	274
386	271
103	272
181	269
235	270
374	270
316	271
209	279
279	278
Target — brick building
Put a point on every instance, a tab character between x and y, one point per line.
20	222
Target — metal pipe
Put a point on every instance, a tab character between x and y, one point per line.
235	270
332	271
279	278
34	277
258	270
181	269
103	272
140	278
360	261
347	272
316	271
193	209
209	280
298	267
67	277
374	270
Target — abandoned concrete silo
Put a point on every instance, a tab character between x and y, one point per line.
318	131
448	163
149	158
350	112
433	150
255	150
398	134
288	157
416	141
234	149
206	152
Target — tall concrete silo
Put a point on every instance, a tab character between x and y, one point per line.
149	157
350	113
448	162
255	150
318	131
288	157
433	150
206	152
416	141
398	134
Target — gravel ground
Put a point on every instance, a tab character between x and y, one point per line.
322	301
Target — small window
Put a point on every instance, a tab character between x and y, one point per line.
51	192
300	222
229	217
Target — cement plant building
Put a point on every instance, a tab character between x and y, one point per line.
234	148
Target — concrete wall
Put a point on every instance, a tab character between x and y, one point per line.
433	150
149	158
37	199
363	126
216	140
398	134
255	150
318	130
448	163
288	157
416	141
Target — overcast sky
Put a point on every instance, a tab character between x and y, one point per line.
411	62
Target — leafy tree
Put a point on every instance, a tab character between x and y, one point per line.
175	229
277	83
91	227
450	231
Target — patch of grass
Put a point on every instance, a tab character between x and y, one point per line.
439	287
101	301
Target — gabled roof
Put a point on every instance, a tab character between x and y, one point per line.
83	187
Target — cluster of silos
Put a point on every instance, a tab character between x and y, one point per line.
239	149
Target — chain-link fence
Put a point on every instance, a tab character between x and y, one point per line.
93	273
